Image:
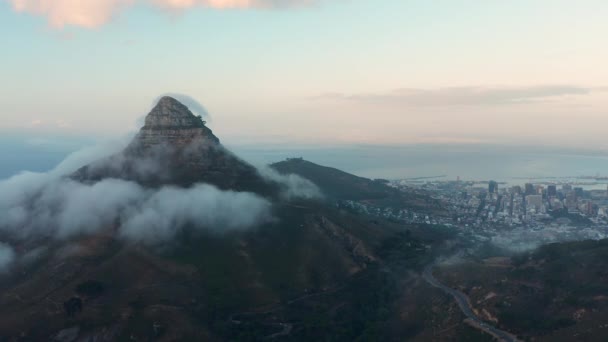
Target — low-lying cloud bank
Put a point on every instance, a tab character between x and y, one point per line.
39	205
294	186
43	206
95	13
165	212
54	206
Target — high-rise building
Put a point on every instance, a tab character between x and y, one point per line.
589	208
556	204
492	187
534	201
530	189
516	189
579	192
539	189
552	190
570	200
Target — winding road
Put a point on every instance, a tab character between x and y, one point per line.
465	307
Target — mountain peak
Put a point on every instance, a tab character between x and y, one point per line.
164	100
174	147
169	112
171	122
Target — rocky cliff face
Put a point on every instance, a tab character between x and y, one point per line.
172	123
176	148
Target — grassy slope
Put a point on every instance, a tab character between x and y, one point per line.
340	185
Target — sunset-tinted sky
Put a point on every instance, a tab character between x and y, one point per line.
312	72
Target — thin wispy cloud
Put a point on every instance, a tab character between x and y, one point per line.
59	123
95	13
465	96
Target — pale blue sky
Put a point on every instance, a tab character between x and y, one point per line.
333	72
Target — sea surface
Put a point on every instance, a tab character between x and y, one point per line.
508	165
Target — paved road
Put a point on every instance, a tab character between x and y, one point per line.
463	303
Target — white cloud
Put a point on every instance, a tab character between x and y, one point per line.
293	185
43	206
88	155
165	212
52	205
90	13
95	13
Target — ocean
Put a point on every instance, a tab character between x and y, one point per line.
505	164
512	166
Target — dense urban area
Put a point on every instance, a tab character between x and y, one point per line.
517	217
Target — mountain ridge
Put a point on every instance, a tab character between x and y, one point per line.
339	185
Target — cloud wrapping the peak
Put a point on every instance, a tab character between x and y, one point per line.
52	205
293	185
95	13
170	209
45	206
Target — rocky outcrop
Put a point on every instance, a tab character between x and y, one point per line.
172	123
175	147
